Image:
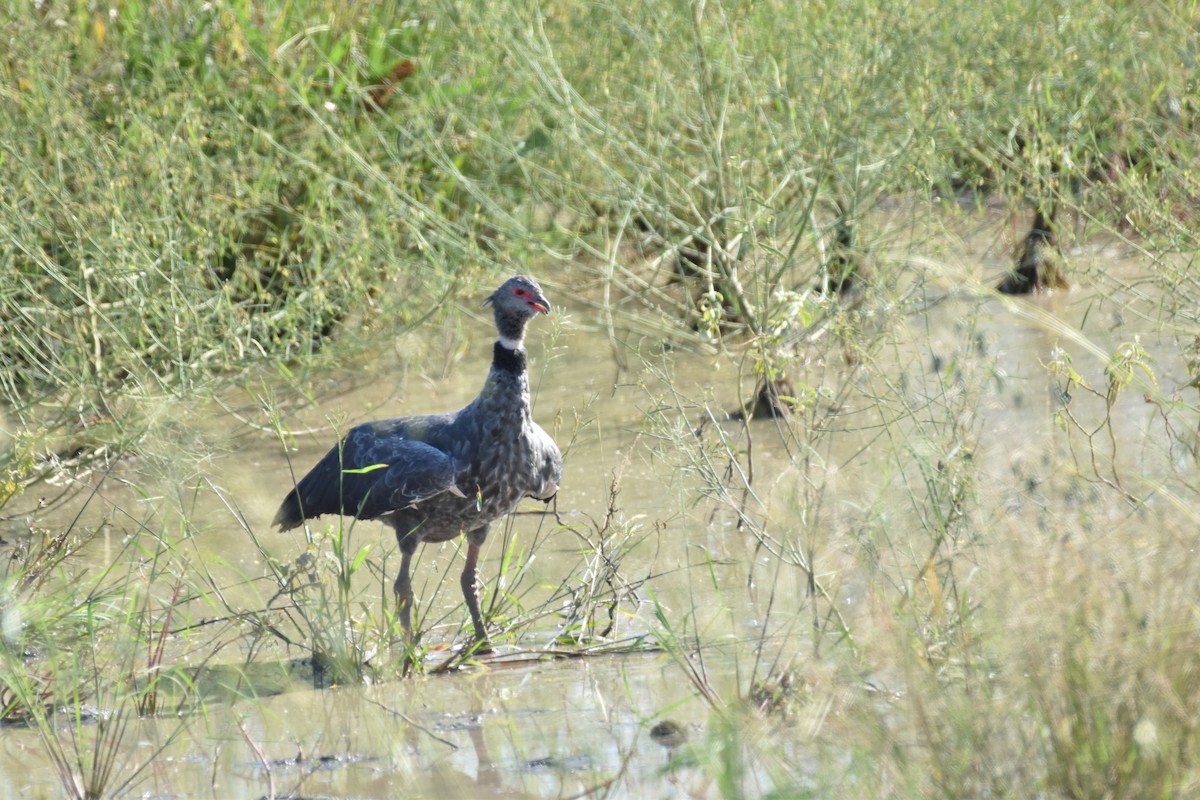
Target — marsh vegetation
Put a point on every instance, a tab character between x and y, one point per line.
841	516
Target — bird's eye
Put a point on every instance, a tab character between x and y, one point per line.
520	292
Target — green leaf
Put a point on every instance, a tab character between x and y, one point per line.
362	554
365	470
338	51
378	53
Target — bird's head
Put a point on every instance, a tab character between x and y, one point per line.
518	300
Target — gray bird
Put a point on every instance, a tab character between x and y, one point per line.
436	476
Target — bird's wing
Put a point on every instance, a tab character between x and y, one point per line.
401	475
548	465
379	467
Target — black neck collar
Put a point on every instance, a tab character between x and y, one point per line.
508	360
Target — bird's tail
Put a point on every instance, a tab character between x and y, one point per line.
289	514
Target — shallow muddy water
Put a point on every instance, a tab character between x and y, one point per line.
547	730
952	371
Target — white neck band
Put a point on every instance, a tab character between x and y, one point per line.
511	344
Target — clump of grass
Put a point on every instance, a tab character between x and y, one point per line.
277	211
84	651
331	619
732	151
951	577
740	148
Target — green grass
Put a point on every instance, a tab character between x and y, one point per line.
197	194
195	188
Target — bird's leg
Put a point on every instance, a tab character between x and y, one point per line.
471	594
403	588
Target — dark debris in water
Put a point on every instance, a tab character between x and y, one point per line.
317	763
669	734
577	763
458	722
12	714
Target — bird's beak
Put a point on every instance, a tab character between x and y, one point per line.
540	305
